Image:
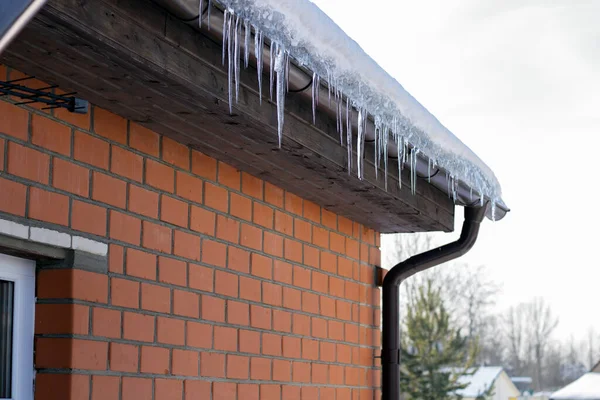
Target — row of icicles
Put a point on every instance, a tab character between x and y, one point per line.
236	29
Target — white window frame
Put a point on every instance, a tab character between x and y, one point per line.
22	273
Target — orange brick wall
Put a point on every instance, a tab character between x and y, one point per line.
219	284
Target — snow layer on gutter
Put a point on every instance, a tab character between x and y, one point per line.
298	28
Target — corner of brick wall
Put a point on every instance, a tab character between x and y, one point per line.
219	284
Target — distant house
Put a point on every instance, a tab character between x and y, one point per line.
488	380
523	383
585	388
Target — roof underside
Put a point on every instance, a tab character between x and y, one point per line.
135	59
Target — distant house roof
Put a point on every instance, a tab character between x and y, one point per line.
521	379
585	388
479	382
596	367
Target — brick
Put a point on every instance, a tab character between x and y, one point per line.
274	195
336	374
249	341
13	200
174	211
292	298
71	353
272	294
273	244
301	372
215	197
185	362
136	388
123	357
320	237
320	373
282	370
168	389
282	272
327	351
272	344
50	134
225	338
28	163
336	288
247	391
260	317
238	313
109	190
214	253
292	347
154	360
329	219
160	176
224	391
352	376
261	266
156	298
229	176
343	353
140	264
293	203
226	284
327	306
103	387
171	271
197	390
124	228
336	330
204	166
302	230
213	309
263	215
199	335
292	392
88	218
345	267
72	284
62	386
142	201
61	319
124	293
364	253
252	186
156	237
189	187
71	177
310	303
106	323
48	206
320	282
240	206
91	150
260	369
337	243
312	211
367	274
202	221
251	237
311	256
319	328
282	321
250	289
143	139
175	153
351	333
345	226
200	278
14	121
2	152
138	327
238	260
186	245
310	349
186	304
170	330
212	365
237	367
352	248
293	250
110	125
228	229
302	277
126	163
328	262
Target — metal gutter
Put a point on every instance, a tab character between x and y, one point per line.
300	83
16	14
390	350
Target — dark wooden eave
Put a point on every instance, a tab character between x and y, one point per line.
134	59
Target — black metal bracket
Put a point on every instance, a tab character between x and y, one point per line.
43	95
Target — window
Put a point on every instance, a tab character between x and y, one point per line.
17	302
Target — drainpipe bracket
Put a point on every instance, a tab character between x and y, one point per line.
390	356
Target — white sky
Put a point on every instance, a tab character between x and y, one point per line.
518	81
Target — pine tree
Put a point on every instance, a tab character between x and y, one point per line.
434	353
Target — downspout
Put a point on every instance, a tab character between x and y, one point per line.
390	351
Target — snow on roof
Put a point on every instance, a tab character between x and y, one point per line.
523	379
479	382
298	28
585	388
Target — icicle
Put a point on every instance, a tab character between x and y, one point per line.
377	133
360	144
340	106
287	72
225	33
248	33
258	50
349	134
230	53
272	69
493	205
471	194
429	170
329	84
200	13
236	57
280	63
386	139
208	12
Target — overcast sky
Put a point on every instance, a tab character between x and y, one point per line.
518	81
